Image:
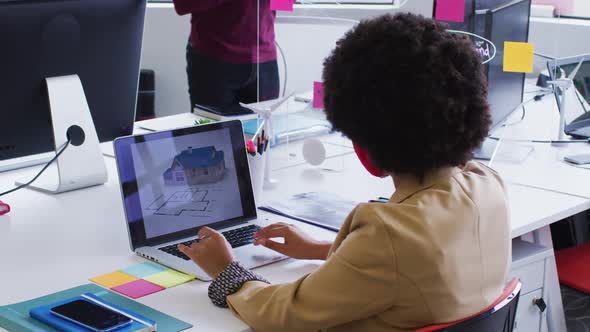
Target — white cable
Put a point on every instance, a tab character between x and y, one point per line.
547	92
284	66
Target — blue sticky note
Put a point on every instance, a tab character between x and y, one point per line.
144	269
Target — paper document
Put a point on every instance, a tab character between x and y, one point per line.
321	209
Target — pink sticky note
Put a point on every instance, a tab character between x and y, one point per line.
450	10
138	288
283	5
318	95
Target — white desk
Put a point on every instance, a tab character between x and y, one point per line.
49	243
545	167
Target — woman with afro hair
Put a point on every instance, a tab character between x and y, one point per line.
412	98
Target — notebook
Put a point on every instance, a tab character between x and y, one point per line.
16	317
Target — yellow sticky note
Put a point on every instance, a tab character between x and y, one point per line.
113	279
518	57
169	278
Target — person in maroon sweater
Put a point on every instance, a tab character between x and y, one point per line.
228	59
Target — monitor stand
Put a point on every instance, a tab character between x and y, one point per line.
81	164
508	152
486	150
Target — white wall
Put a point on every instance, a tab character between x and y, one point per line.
558	38
164	46
306	45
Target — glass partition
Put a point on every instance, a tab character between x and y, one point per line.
305	34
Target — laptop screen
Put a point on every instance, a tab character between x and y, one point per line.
174	182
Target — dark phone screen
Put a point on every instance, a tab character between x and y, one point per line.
90	314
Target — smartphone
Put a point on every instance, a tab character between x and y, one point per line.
580	159
91	315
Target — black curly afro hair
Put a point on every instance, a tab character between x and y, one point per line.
408	91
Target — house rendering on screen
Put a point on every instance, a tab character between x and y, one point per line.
196	166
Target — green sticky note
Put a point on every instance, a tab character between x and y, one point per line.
169	278
518	57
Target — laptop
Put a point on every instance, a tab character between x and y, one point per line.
174	182
577	116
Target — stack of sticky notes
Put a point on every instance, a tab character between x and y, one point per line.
142	279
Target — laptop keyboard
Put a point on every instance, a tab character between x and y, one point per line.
236	237
241	236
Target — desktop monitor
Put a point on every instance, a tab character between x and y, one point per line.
499	21
99	40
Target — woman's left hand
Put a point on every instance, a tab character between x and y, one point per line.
212	253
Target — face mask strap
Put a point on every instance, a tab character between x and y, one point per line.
364	159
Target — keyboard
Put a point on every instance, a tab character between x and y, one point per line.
236	237
241	236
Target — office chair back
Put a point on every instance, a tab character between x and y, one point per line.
499	317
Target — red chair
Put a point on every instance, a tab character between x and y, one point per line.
498	317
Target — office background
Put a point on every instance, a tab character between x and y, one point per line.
308	41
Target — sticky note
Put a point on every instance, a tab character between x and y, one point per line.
113	279
450	10
137	288
144	269
282	5
518	57
169	278
318	95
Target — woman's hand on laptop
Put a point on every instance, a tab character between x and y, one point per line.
296	243
212	253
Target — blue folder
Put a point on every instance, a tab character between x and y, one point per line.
17	318
43	314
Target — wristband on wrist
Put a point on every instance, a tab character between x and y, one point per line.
230	281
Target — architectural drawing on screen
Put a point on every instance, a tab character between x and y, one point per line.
196	166
189	202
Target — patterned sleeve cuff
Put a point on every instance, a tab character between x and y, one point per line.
230	281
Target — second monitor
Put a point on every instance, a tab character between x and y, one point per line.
99	40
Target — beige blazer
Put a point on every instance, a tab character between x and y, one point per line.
439	251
